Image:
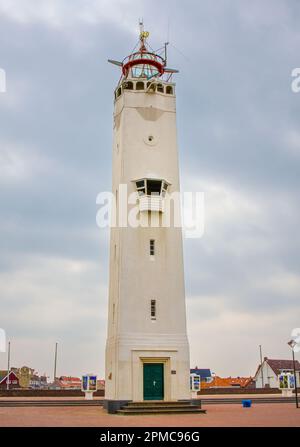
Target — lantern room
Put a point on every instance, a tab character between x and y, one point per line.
145	63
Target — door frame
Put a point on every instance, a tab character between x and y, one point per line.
166	356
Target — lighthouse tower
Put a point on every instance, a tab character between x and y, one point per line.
147	350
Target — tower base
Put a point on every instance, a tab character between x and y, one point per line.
148	407
113	406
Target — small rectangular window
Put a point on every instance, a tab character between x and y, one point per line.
153	187
152	247
164	189
153	309
140	186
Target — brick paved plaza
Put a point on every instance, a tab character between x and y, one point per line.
270	415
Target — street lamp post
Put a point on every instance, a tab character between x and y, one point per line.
55	363
8	366
292	344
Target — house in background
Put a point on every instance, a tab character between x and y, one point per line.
13	380
205	374
68	383
266	375
38	382
23	377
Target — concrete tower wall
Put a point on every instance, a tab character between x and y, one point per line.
145	146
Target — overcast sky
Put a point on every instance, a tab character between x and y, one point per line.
239	142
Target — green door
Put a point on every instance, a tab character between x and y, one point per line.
153	381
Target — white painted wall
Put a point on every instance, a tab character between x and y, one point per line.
134	278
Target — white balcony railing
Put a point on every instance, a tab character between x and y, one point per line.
151	203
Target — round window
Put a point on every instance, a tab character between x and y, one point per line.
150	139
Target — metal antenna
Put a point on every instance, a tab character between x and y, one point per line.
141	25
180	52
166	44
8	366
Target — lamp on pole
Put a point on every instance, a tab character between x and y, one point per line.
8	366
292	344
55	362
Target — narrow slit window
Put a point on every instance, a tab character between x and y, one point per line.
164	189
153	309
152	247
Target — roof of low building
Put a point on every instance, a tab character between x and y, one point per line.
279	365
203	373
68	382
4	377
3	372
69	379
227	382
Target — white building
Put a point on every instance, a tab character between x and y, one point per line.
147	350
267	374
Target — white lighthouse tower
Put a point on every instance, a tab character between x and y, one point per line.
147	350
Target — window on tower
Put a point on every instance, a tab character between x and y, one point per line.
151	86
140	85
150	187
152	247
153	187
164	189
153	310
128	85
141	187
151	194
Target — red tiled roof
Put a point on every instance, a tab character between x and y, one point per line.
70	379
69	382
226	382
